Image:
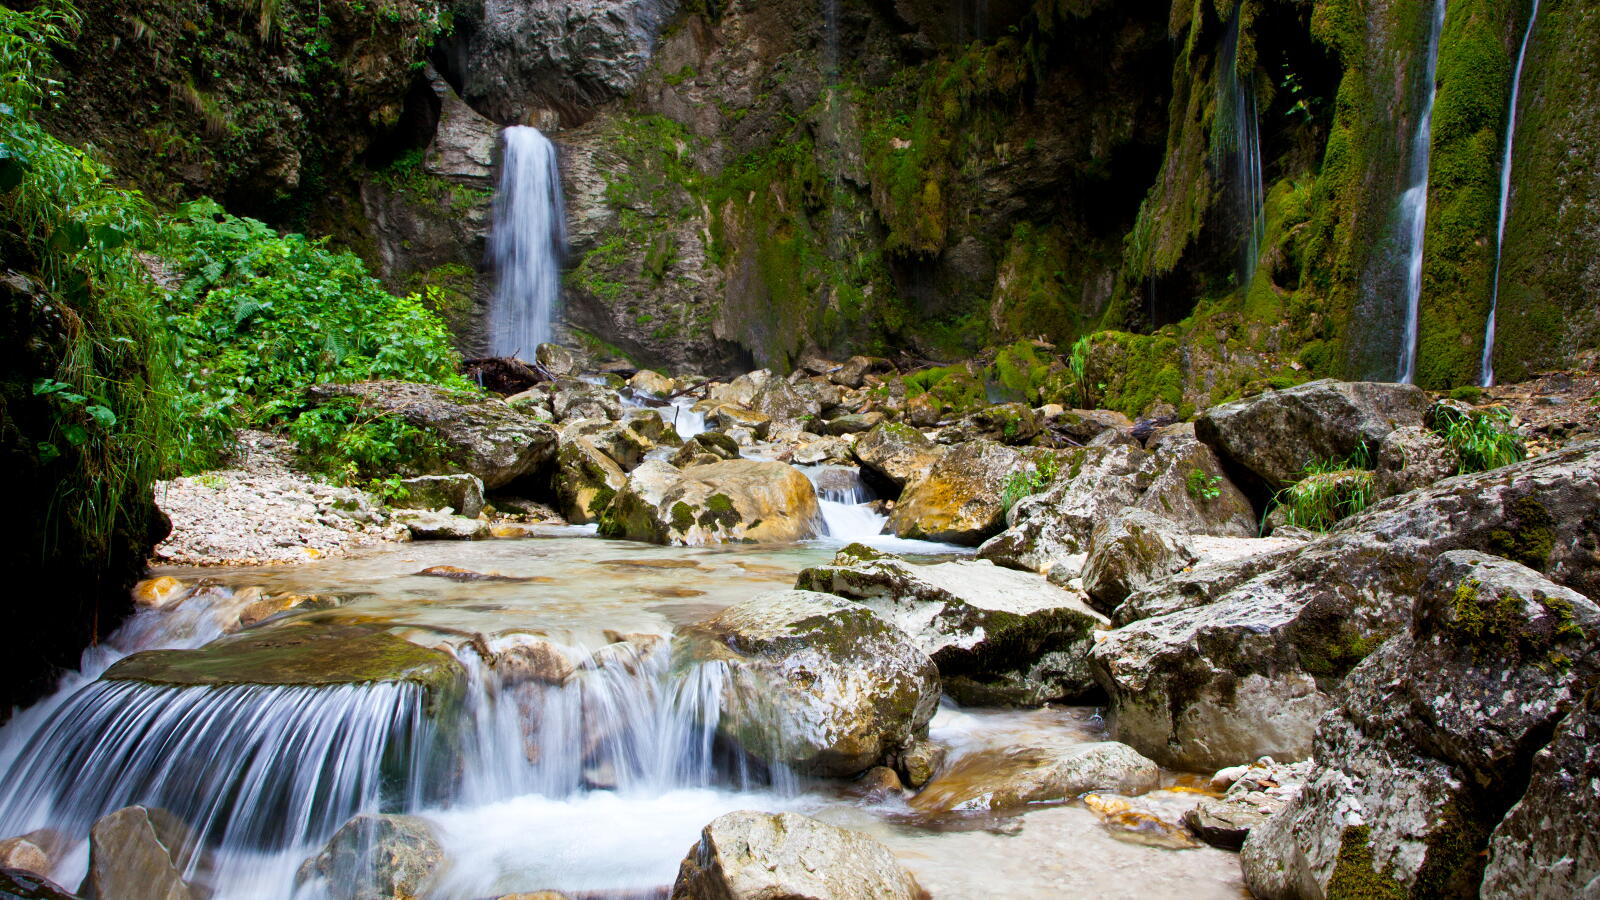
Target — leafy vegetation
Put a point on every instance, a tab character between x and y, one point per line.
1027	482
1482	439
260	316
343	438
1202	486
111	422
1329	490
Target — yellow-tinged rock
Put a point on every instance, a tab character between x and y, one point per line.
157	593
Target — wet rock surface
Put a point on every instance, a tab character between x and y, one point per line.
755	855
377	857
735	500
998	636
139	854
958	500
1016	777
815	682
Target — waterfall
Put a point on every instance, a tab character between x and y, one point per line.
526	244
1236	148
843	499
1486	368
262	774
1414	204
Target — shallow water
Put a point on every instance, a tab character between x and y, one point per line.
529	813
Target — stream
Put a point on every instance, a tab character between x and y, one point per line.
598	787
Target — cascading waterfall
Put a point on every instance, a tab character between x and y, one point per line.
1486	367
843	499
1236	149
1414	204
262	774
526	244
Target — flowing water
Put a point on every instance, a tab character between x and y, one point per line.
1486	366
1414	203
526	244
1236	150
599	784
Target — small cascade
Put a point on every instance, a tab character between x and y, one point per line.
680	414
844	498
526	244
1414	204
262	774
1486	366
1236	151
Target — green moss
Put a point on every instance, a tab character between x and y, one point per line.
719	511
1355	873
602	498
682	517
1469	121
1529	536
955	387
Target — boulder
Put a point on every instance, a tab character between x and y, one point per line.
706	447
780	401
572	399
773	856
854	423
653	426
137	853
1130	552
853	373
377	857
1007	423
1547	846
998	636
625	446
899	453
586	480
741	390
1274	435
1412	457
1016	776
814	682
30	852
832	450
726	418
736	500
300	655
435	525
460	492
959	500
1084	425
1189	488
557	360
1433	738
647	383
483	436
1247	671
1051	530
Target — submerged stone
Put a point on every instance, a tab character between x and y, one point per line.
378	857
767	856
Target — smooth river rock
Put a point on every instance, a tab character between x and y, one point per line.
997	635
377	857
814	682
898	452
1017	776
139	854
731	501
751	855
959	500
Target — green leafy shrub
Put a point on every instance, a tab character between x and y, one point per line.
259	316
1483	439
1202	486
1030	481
341	437
107	424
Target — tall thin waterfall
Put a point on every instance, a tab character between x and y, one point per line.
1414	204
1486	368
1236	150
526	244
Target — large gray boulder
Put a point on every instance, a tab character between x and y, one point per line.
1431	741
139	854
814	682
460	492
1132	551
998	636
737	500
898	452
586	481
960	499
1248	671
1412	457
377	857
1189	488
780	401
483	436
1274	435
751	855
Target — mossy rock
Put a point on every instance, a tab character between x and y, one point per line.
301	655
